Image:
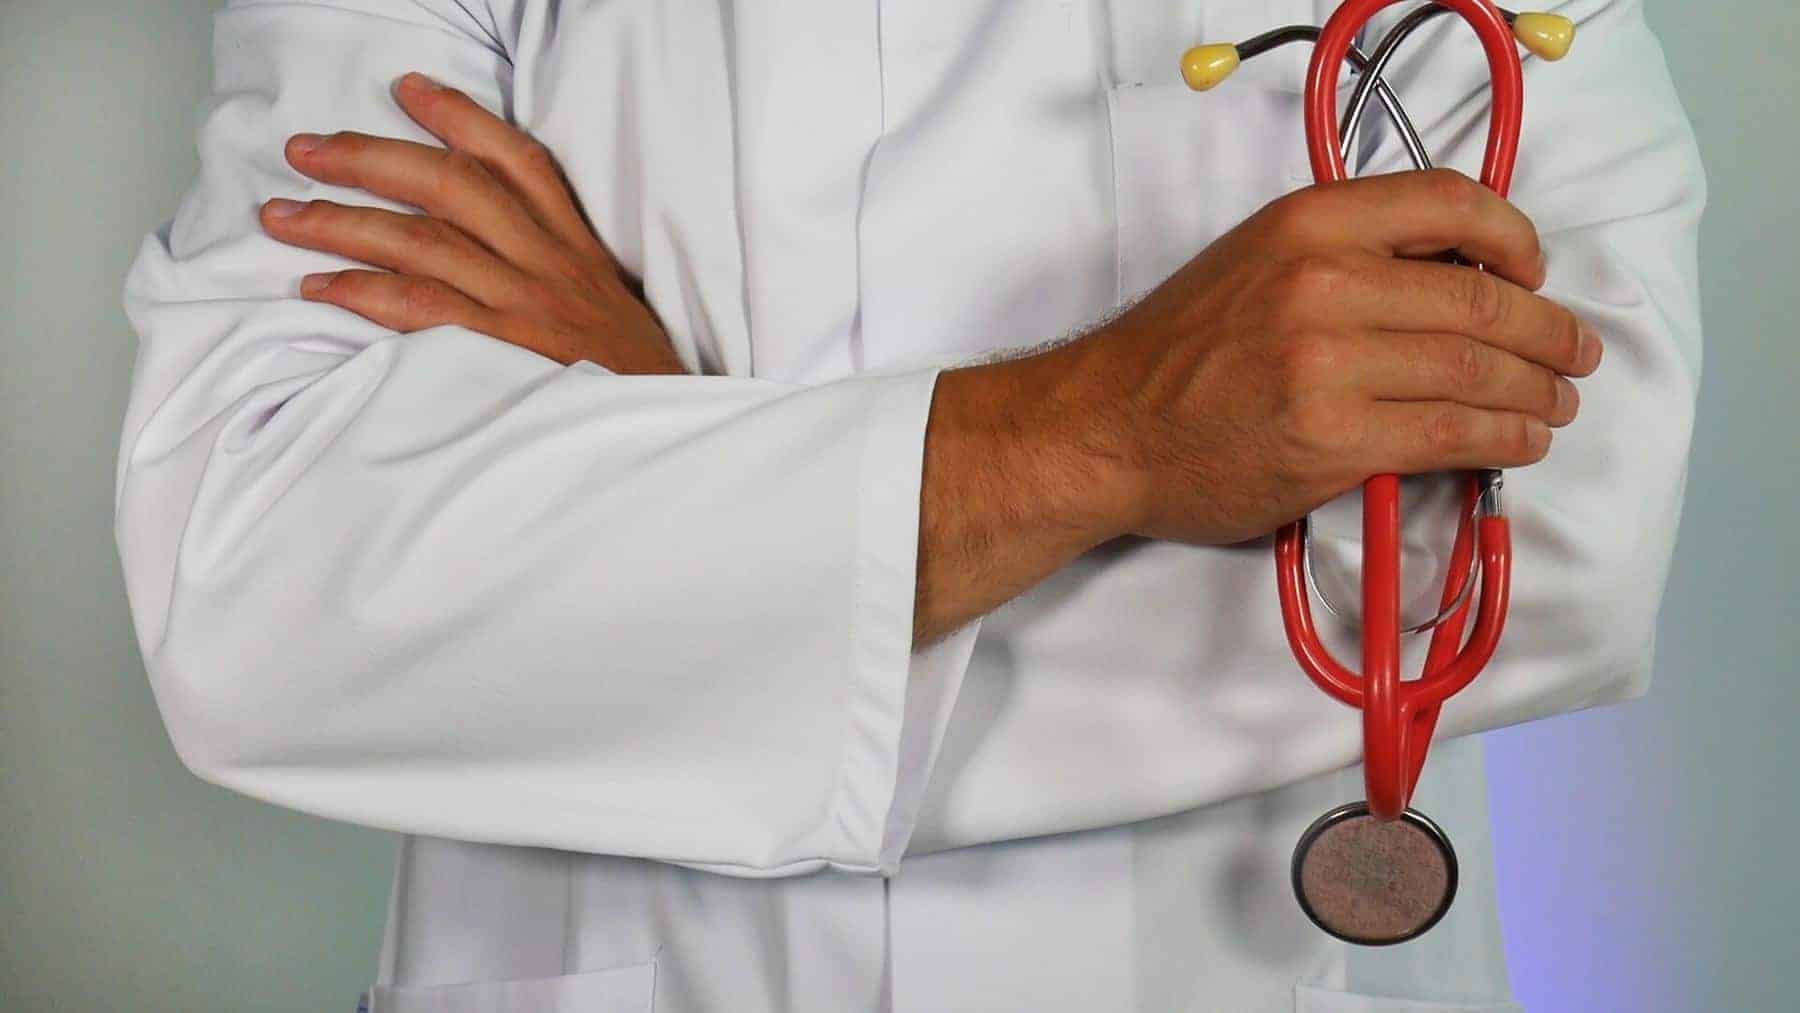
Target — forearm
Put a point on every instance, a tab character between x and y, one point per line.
1018	481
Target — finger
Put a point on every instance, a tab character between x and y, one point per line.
1451	367
1448	298
1418	214
399	302
451	185
1414	437
399	241
519	159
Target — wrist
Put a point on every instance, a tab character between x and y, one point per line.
1085	393
1054	429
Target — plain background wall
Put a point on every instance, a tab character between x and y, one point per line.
1642	848
125	883
1645	850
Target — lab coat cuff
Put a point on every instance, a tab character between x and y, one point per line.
899	699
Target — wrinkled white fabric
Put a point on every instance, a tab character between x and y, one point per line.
626	656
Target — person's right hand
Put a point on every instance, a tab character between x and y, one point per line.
500	247
1306	350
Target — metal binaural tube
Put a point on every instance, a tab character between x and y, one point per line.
1378	62
1409	135
1546	35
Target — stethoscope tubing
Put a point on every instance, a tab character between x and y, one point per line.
1399	718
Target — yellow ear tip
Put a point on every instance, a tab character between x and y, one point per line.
1203	67
1548	36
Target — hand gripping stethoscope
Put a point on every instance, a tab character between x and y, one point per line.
1379	872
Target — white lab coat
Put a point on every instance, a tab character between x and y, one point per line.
627	659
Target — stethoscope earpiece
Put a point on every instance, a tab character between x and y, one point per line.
1203	67
1547	36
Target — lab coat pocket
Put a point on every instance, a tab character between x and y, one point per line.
1188	167
629	989
1313	999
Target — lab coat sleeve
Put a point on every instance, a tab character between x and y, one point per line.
438	584
1610	173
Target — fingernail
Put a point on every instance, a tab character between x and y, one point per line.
1590	351
281	207
1538	433
1568	399
304	143
414	79
313	284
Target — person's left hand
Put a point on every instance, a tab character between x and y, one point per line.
501	247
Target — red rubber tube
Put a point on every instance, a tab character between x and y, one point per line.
1399	718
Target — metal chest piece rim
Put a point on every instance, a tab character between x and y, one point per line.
1336	916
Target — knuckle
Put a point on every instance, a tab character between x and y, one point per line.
1452	190
1566	340
460	163
1446	430
1482	299
1471	368
457	170
544	298
345	144
1290	213
419	298
1307	362
569	269
1310	279
422	230
535	157
1319	428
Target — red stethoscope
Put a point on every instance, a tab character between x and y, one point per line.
1378	872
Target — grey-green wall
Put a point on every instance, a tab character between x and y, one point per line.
1645	850
127	884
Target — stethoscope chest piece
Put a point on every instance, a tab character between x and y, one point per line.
1374	882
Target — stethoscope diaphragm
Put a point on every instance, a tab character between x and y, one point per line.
1374	882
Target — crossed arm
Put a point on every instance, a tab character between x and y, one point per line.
434	580
1032	461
